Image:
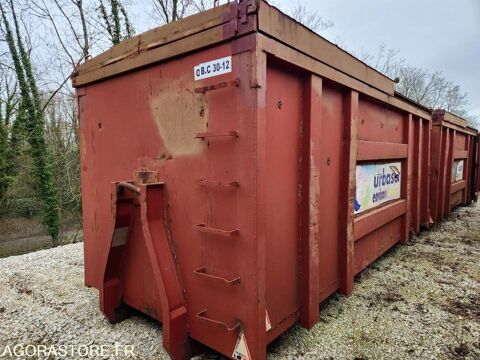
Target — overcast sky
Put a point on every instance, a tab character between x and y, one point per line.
439	35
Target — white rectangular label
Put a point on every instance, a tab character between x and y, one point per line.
457	170
376	184
120	236
213	68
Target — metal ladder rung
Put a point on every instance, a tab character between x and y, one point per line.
201	315
209	230
213	183
213	134
204	89
203	272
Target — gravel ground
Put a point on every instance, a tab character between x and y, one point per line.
417	301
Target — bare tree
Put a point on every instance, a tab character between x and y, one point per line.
46	191
66	22
57	35
309	18
432	89
167	11
202	5
85	46
386	60
172	10
112	21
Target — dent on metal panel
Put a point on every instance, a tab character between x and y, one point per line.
179	114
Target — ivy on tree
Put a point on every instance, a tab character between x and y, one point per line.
113	21
35	127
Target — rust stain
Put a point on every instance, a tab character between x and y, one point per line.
317	88
83	148
145	176
314	196
179	115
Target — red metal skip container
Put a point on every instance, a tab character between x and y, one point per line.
237	169
476	163
454	164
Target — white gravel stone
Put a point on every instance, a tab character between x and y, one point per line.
418	301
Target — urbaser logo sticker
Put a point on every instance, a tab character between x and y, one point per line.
377	183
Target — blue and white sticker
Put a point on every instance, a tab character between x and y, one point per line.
213	68
377	183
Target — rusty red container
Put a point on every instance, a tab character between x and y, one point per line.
474	187
237	169
476	172
454	158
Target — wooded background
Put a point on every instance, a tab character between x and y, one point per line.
41	41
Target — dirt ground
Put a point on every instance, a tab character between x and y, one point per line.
419	301
21	235
17	228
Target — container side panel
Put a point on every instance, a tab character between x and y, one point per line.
113	112
425	173
467	170
457	198
225	208
395	139
378	122
284	117
448	173
310	203
460	141
435	162
153	119
348	192
408	179
417	174
476	168
91	246
372	246
442	172
331	150
477	164
259	83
